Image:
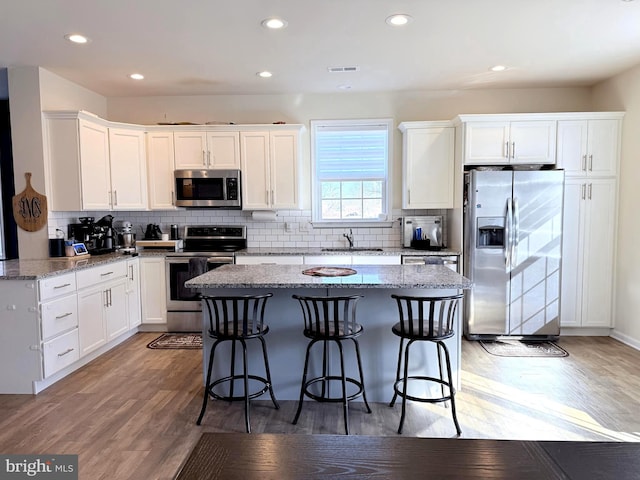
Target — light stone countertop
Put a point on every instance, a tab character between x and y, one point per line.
366	276
255	251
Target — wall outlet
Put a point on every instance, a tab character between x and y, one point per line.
288	227
304	226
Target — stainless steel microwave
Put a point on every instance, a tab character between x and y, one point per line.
208	188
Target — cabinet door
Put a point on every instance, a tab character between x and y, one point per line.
572	146
223	150
128	169
375	259
94	166
485	143
190	150
533	142
270	260
327	259
603	142
428	168
91	326
153	290
572	252
599	243
284	170
134	312
160	164
254	158
116	319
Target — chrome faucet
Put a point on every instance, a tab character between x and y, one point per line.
349	237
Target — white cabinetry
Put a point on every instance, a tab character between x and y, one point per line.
508	139
363	259
207	149
102	305
589	147
588	241
428	165
92	166
269	163
269	260
160	165
153	291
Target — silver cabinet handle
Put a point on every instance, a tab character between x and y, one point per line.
591	163
506	149
590	190
106	273
513	149
67	351
209	158
62	286
63	315
173	197
584	162
409	196
115	198
272	198
204	158
584	191
131	270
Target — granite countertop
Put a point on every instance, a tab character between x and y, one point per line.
255	251
49	267
366	276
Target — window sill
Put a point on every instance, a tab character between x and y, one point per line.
351	224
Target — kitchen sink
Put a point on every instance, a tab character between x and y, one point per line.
351	249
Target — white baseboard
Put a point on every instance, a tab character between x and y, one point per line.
626	339
586	332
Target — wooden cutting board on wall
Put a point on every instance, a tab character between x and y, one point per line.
30	208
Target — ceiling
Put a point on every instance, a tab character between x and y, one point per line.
204	47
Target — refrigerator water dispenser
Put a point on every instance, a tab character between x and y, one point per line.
490	232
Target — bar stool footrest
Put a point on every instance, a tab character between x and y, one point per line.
218	396
320	398
399	391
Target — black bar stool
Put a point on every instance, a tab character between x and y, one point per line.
331	319
428	319
237	318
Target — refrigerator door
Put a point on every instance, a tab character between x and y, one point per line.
487	249
534	302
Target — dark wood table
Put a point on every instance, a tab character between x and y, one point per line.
272	456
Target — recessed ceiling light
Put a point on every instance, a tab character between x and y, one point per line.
264	74
76	38
274	23
398	19
344	87
498	68
136	76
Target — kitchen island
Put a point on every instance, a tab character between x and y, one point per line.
377	312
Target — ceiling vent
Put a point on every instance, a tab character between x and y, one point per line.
343	69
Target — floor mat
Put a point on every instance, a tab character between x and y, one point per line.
177	340
522	348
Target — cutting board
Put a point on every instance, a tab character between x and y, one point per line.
30	208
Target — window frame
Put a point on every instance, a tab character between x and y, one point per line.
316	200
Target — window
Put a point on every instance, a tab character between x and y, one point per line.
350	162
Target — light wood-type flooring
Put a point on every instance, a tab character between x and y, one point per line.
131	413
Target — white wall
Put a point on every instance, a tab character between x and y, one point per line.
623	93
32	90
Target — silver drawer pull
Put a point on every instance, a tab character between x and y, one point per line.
69	350
105	274
63	285
64	315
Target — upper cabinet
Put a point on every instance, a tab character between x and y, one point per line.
428	170
589	145
508	139
92	166
270	168
160	165
206	149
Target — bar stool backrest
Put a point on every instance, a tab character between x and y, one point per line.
427	317
236	316
329	317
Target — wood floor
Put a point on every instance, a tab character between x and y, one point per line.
131	413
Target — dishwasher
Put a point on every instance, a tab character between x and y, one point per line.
450	261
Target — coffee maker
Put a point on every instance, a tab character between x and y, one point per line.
99	237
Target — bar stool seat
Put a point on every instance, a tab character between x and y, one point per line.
428	319
237	319
331	319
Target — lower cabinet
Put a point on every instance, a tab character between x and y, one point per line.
269	260
153	290
588	242
102	312
60	352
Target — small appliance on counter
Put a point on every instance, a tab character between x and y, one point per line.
424	232
98	237
127	238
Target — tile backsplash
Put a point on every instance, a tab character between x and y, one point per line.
291	228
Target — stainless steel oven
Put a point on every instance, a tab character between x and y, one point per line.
206	247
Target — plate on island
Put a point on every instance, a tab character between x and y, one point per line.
329	271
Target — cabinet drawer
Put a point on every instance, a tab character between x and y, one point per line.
103	273
60	352
59	315
56	286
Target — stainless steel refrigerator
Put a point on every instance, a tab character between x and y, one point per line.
512	252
